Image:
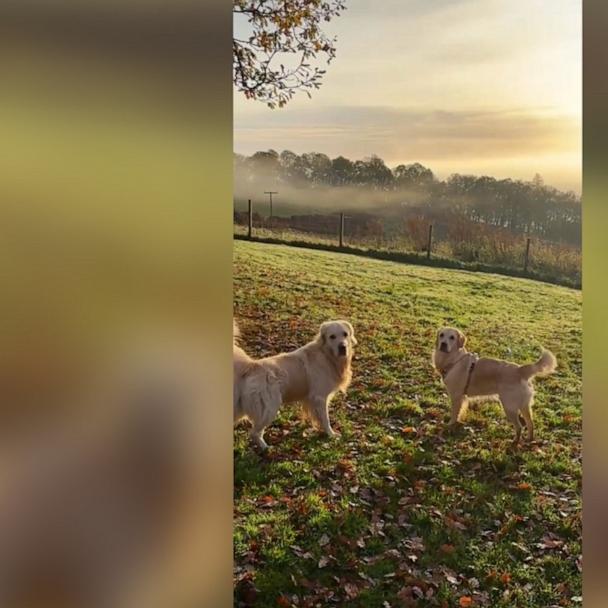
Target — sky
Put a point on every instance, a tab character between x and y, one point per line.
487	87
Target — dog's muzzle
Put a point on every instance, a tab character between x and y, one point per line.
342	350
443	347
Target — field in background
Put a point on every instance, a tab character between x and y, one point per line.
396	510
461	243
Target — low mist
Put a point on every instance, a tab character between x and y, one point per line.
292	200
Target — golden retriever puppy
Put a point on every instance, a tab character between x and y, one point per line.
466	375
311	375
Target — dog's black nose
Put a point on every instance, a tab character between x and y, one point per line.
443	346
341	349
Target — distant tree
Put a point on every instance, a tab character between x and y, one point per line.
265	165
413	176
539	200
240	166
373	172
458	189
318	166
288	159
274	58
538	181
293	168
482	200
341	171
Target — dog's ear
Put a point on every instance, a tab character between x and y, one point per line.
351	329
462	339
321	337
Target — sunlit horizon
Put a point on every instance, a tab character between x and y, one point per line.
461	86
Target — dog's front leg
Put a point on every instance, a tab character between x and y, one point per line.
458	407
321	409
257	435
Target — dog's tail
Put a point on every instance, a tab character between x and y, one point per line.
545	365
242	362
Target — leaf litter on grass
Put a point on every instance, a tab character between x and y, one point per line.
396	512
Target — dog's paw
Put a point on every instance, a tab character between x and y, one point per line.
515	446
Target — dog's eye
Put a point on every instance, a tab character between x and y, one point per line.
441	335
451	337
332	337
345	334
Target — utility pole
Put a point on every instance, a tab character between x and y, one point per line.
270	193
250	221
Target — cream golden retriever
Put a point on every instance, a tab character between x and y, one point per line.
465	375
311	375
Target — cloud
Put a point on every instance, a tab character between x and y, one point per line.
515	142
395	132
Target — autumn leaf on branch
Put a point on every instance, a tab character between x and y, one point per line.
278	44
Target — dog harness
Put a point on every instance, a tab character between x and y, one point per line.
445	372
471	368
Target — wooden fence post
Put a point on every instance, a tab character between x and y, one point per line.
250	222
527	258
430	242
341	229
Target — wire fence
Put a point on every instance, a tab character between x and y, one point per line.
455	243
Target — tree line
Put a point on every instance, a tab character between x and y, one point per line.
530	207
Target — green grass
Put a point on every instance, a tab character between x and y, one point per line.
396	509
538	271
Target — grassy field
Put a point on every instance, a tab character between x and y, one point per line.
397	511
558	264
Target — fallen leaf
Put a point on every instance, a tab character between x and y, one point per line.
351	590
268	501
549	543
417	592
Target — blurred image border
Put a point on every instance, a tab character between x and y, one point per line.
595	329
